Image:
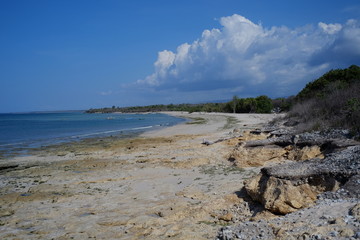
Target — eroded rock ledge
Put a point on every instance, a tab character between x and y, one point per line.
317	198
330	139
288	187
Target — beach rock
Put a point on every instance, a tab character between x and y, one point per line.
302	154
6	212
245	157
282	141
287	187
280	196
352	186
280	132
226	217
256	132
326	139
291	123
347	232
259	156
317	194
355	211
247	230
328	219
7	166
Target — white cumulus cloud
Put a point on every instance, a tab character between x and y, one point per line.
330	28
253	60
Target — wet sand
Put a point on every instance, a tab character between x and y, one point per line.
162	184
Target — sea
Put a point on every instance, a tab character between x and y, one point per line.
20	132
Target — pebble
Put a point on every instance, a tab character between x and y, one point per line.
347	232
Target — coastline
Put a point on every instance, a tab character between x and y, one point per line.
26	141
161	184
215	123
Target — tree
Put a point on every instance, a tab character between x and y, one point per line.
263	104
250	105
234	103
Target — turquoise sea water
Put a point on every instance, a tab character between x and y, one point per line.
29	130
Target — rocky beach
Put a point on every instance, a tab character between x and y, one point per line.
224	176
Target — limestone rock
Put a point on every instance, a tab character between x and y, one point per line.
333	139
347	232
226	217
6	212
280	196
305	153
355	211
325	220
253	157
288	187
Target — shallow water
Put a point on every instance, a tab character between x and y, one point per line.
21	131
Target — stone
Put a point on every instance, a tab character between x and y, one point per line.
355	211
305	153
252	157
278	195
287	187
340	221
226	217
347	232
6	212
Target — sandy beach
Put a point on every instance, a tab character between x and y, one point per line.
162	184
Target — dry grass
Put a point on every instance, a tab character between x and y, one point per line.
338	109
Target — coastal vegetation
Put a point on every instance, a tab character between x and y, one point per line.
261	104
333	100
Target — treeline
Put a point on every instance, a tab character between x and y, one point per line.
331	101
261	104
334	80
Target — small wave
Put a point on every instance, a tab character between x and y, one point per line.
57	139
11	144
112	131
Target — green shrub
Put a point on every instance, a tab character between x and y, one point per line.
332	101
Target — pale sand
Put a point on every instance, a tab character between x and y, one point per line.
215	123
163	184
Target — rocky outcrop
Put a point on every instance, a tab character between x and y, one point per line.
315	195
259	156
329	139
280	196
288	187
280	145
328	219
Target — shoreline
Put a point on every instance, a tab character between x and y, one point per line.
216	122
28	147
161	184
212	123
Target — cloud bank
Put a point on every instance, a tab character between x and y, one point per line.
246	59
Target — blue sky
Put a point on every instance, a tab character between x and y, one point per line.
59	55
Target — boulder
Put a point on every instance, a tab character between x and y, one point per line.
288	187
